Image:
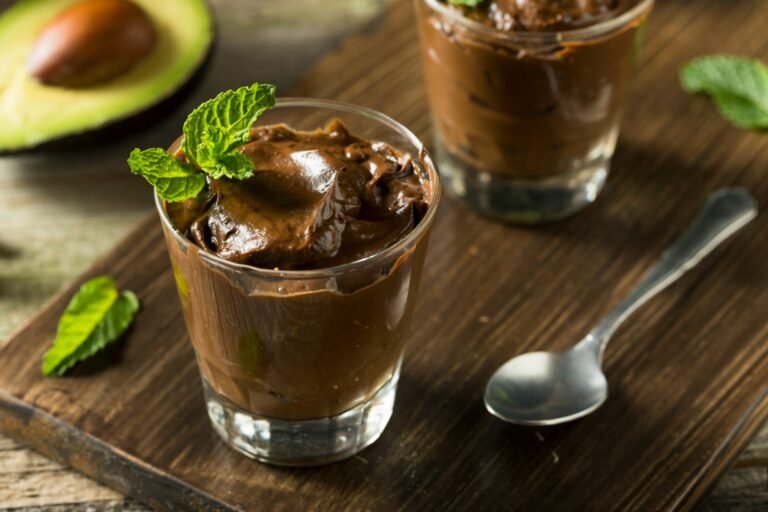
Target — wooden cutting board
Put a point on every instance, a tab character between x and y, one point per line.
688	373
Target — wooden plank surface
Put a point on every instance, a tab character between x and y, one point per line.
649	197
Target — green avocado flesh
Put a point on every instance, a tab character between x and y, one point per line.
32	113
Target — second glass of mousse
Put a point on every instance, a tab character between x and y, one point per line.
526	98
298	284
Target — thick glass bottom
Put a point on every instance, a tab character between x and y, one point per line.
302	442
519	200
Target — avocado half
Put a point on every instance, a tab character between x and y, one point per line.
32	114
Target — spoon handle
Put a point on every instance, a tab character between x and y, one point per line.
726	211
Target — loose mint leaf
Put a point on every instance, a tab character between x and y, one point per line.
741	112
97	315
173	180
214	130
738	86
467	3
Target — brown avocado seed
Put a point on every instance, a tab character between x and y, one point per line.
91	42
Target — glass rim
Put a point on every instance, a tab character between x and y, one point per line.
545	36
418	232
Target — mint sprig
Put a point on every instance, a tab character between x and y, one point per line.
213	133
215	129
738	86
97	315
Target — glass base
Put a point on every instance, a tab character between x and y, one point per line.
302	442
522	201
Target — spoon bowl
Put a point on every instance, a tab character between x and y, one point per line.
546	388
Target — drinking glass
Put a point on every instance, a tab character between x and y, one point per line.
300	367
526	122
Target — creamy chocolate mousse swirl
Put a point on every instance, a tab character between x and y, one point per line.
316	200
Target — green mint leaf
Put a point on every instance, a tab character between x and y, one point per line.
214	131
467	3
742	112
97	315
173	180
738	86
213	134
231	164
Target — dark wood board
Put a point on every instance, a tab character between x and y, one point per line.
688	373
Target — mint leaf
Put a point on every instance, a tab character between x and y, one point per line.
173	180
467	3
214	131
213	134
738	86
742	112
97	315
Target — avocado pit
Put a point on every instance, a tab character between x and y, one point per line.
91	42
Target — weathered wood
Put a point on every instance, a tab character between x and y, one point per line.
744	487
658	442
740	490
756	453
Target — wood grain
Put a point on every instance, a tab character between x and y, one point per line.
687	374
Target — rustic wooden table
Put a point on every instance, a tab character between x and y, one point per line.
61	214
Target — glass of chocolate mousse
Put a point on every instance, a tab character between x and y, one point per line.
526	98
298	284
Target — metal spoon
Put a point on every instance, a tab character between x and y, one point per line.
547	388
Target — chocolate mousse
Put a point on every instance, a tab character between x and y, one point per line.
310	344
316	200
529	89
546	15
